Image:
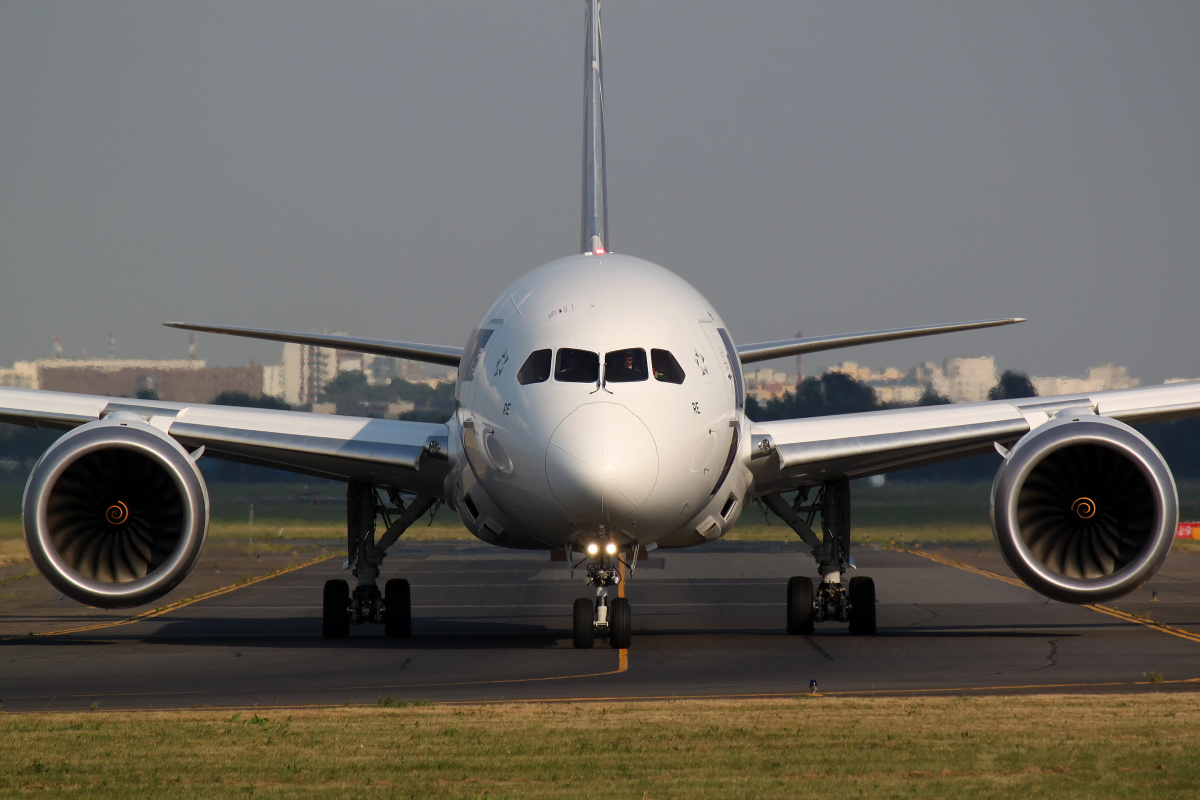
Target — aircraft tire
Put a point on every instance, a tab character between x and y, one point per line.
397	608
800	612
335	609
862	607
620	624
585	624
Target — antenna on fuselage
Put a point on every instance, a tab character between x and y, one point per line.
595	199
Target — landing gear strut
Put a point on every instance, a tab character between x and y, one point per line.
341	608
604	616
831	600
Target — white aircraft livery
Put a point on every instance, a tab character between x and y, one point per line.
599	412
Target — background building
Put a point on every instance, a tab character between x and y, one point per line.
1099	378
960	379
305	370
184	381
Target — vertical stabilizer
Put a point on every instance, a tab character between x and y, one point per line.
595	199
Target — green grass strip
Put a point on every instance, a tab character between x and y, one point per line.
1099	746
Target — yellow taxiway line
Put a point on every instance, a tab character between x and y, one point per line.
1161	627
623	653
178	604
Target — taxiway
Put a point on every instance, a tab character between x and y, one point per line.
495	626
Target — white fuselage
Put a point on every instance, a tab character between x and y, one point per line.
602	438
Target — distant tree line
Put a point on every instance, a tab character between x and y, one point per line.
352	394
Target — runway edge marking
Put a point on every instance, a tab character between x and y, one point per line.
178	604
1161	627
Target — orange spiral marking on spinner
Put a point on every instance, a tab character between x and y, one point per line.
117	513
1084	507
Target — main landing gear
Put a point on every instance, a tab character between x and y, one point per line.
604	616
832	600
341	608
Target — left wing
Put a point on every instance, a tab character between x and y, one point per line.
791	452
410	456
429	353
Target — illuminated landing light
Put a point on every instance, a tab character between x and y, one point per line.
593	549
610	548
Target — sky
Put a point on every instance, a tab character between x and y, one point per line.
388	168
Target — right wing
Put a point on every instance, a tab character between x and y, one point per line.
410	456
765	351
429	353
791	452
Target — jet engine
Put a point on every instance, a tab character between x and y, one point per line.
115	513
1084	508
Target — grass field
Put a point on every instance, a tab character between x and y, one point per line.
1141	746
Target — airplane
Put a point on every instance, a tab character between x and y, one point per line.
599	412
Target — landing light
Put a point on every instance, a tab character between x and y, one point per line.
593	548
610	548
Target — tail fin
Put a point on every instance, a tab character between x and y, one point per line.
595	199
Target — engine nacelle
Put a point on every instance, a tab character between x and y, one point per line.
1084	508
115	513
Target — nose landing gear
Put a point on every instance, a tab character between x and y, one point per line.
604	616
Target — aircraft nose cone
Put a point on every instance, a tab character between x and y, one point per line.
601	462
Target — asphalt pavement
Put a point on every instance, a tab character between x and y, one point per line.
493	625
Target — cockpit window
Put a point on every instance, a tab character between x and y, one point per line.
470	361
666	368
625	366
535	369
577	366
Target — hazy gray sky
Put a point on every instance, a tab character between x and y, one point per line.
388	168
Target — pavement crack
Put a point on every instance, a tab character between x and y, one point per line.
1051	657
932	615
817	646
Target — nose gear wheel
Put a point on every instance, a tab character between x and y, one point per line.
620	633
585	623
604	616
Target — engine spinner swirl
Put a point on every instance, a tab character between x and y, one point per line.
1084	507
117	513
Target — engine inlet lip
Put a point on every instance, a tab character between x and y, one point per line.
1028	454
77	444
